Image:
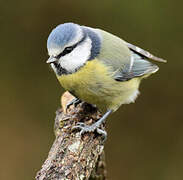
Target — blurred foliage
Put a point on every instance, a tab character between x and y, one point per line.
145	139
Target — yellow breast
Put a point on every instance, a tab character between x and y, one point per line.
94	84
85	77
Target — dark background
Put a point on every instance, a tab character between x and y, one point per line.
145	139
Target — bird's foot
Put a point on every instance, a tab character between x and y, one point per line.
74	102
86	128
90	128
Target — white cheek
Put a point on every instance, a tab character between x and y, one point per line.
77	57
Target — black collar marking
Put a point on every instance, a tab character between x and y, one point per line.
59	69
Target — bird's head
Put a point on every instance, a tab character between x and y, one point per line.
70	46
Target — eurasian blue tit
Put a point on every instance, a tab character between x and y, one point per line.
98	67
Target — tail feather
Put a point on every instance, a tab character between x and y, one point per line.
144	53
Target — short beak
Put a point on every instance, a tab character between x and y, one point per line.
51	60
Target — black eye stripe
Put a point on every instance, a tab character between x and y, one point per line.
69	49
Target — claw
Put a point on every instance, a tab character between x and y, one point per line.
77	127
74	102
80	124
103	133
84	128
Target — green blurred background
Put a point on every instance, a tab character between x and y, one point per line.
145	139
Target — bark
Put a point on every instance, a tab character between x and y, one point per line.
73	156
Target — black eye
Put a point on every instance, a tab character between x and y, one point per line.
67	50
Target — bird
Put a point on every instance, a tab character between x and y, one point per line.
98	67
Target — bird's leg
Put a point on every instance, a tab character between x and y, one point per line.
91	128
74	102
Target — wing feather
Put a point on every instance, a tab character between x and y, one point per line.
126	60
